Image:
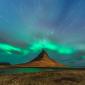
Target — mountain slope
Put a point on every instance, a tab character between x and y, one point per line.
41	61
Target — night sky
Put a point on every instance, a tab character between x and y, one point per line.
29	26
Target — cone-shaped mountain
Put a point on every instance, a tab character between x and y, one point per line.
42	61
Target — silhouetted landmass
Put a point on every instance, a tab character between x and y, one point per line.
43	60
5	63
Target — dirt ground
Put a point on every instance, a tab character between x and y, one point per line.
68	77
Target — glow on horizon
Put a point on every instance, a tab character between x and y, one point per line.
9	48
46	44
37	46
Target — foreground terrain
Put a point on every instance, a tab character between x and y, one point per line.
64	77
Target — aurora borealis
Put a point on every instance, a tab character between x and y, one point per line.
29	26
37	46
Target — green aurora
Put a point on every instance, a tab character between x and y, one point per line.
37	46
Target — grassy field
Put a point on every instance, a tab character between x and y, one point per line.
64	77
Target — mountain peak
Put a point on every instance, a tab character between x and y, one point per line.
43	60
42	55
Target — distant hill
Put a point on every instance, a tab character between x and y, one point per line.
5	65
41	61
